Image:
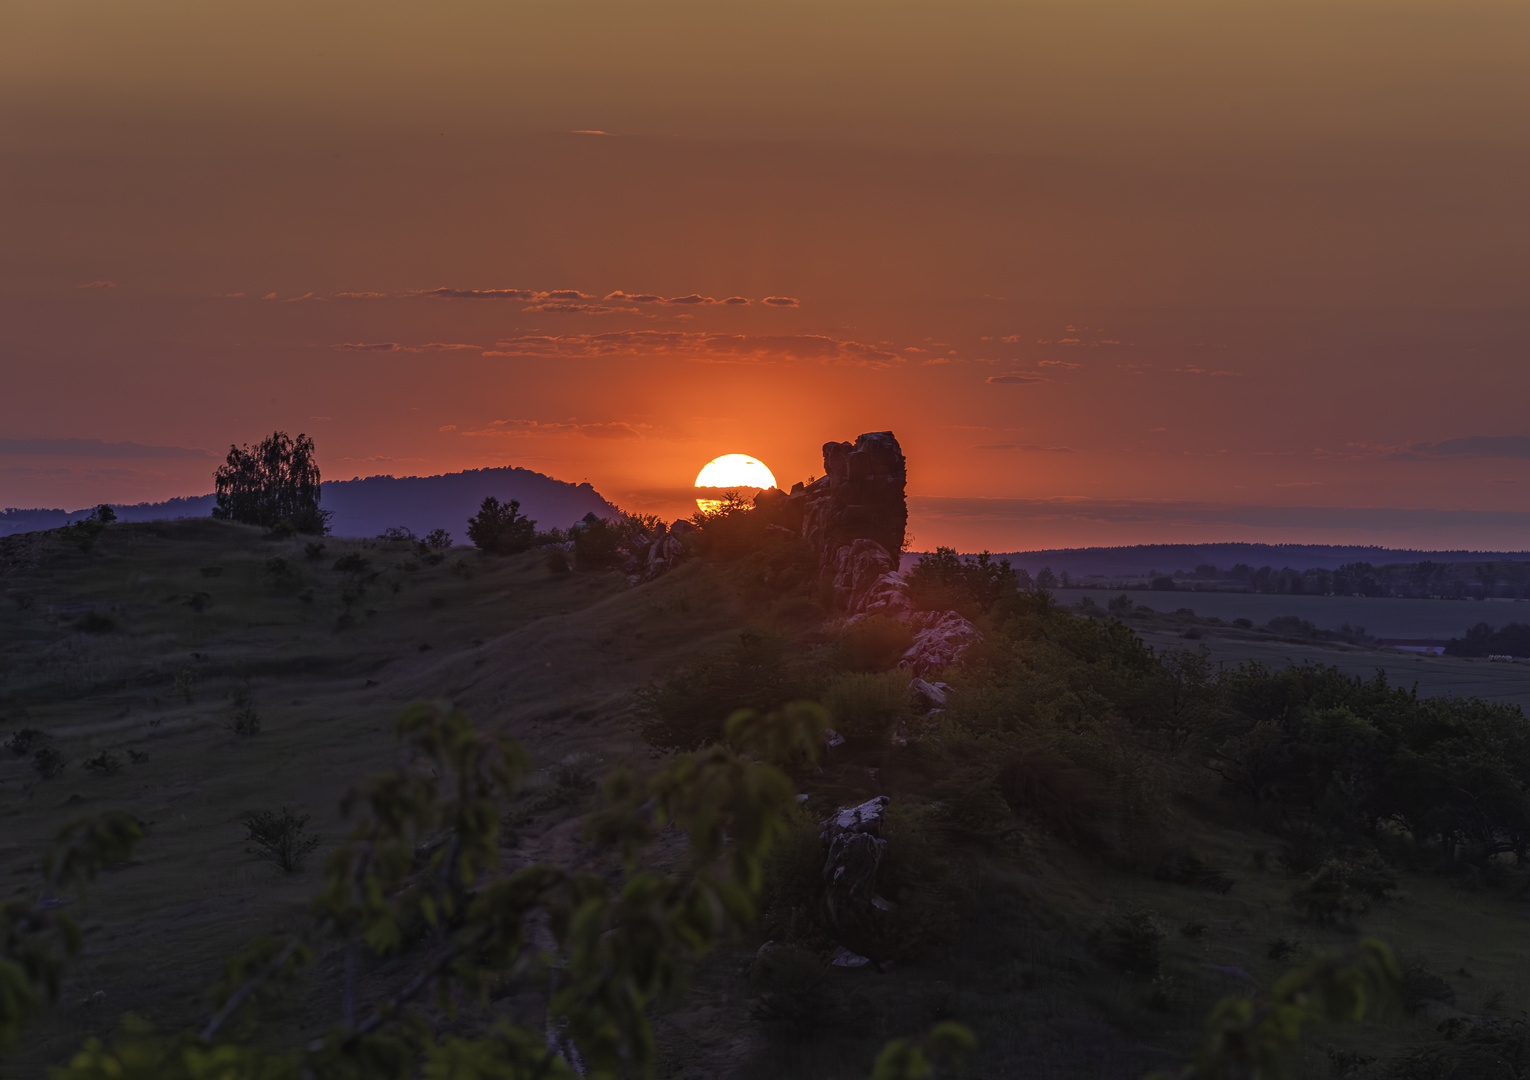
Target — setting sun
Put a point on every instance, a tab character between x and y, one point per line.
732	472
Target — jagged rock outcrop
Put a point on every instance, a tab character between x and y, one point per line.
859	497
856	847
856	517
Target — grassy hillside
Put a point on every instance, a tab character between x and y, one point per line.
1072	884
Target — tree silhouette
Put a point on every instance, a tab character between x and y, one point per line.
277	482
501	529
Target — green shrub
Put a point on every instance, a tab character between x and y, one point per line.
866	708
875	644
314	550
278	837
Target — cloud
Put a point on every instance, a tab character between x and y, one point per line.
695	345
562	308
1017	377
593	131
635	298
354	295
692	298
1485	446
395	347
1056	363
525	428
97	285
96	448
780	301
482	294
737	301
1010	338
1031	447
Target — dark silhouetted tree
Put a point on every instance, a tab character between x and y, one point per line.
275	483
501	529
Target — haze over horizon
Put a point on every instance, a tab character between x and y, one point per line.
1114	273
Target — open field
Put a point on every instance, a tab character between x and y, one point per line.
1381	616
150	645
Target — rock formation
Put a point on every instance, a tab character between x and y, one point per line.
851	904
856	517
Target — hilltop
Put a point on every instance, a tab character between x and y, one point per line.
365	506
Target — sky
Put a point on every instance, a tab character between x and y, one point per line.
1113	272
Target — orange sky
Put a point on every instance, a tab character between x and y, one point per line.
1126	271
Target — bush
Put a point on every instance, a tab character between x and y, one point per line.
557	562
314	550
104	764
246	721
500	529
792	897
48	762
867	708
1187	868
398	534
1343	889
1067	800
790	983
875	644
278	837
185	685
944	579
352	563
1420	986
438	540
1132	942
597	543
688	710
22	742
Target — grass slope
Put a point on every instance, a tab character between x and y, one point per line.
149	644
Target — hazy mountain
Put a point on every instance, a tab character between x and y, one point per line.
365	507
1140	559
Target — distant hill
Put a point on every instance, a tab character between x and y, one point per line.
365	507
1141	559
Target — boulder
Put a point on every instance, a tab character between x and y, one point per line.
940	638
856	849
